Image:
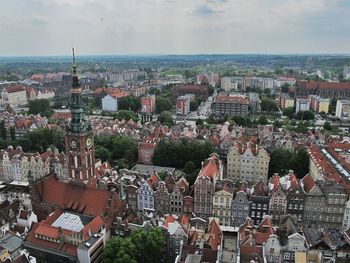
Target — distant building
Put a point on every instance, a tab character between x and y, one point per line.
254	102
285	101
339	90
346	72
199	91
228	84
302	104
183	104
342	110
146	151
222	206
110	102
148	104
14	95
318	104
230	105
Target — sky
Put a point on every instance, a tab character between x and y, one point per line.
133	27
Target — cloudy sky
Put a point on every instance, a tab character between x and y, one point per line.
52	27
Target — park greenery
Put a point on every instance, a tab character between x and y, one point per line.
129	103
283	160
176	154
166	118
142	246
40	106
38	140
119	150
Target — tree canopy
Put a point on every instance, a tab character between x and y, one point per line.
119	147
289	112
141	246
305	115
126	115
282	160
41	106
163	104
268	105
166	118
176	154
129	103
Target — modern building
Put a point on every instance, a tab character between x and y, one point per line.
110	101
248	163
342	110
14	95
254	102
346	72
146	151
302	104
148	104
318	104
230	106
199	91
285	101
228	84
183	104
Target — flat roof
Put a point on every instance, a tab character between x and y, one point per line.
11	242
89	243
71	221
149	169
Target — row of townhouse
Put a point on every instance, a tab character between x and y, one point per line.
17	165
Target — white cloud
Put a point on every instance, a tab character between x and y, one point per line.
171	26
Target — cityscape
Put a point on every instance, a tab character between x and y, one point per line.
177	132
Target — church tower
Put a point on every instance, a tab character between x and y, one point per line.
79	139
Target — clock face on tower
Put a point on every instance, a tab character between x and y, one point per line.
73	143
88	143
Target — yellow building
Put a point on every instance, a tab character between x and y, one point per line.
248	164
222	206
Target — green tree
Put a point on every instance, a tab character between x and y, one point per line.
285	87
211	90
3	133
289	112
163	104
305	115
126	115
41	139
149	245
280	161
119	250
41	106
327	126
176	154
12	133
332	106
199	122
263	120
300	164
166	118
189	167
102	153
277	124
268	105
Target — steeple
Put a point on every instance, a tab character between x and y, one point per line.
78	124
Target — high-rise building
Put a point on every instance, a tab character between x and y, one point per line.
148	104
346	72
79	137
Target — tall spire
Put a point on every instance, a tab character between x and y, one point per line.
75	83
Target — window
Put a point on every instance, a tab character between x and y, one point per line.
286	256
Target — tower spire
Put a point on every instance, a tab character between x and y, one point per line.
75	82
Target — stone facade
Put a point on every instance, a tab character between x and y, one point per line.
145	197
248	163
239	208
222	207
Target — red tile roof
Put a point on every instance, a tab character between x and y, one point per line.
260	189
168	219
322	85
231	99
15	88
308	183
211	167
